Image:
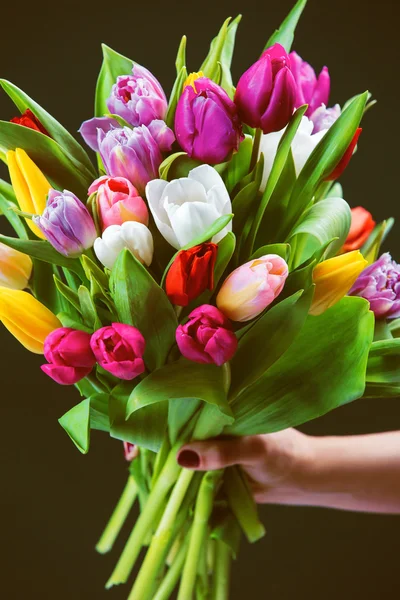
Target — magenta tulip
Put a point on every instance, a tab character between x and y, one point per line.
69	355
311	90
119	349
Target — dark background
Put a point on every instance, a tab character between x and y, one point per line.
55	501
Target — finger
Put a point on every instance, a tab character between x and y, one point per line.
218	454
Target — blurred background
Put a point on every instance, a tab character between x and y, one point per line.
54	501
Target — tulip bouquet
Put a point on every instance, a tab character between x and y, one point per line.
205	279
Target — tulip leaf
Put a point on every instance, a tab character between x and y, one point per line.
114	65
382	390
66	141
323	368
239	165
210	66
282	250
370	249
177	165
48	155
227	55
76	422
180	411
174	97
384	362
180	61
226	529
215	228
44	251
7	203
285	34
68	294
141	302
99	418
68	321
327	220
88	309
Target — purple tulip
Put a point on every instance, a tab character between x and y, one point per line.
89	130
380	285
66	223
310	89
138	98
324	118
69	355
207	125
135	154
207	337
119	349
266	92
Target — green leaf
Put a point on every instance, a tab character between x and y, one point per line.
324	368
177	165
382	390
43	288
7	203
335	191
66	141
142	303
370	250
69	294
68	321
384	362
180	61
226	529
175	95
180	411
48	156
210	67
327	220
99	418
114	65
76	422
44	251
88	309
239	165
285	34
227	55
282	250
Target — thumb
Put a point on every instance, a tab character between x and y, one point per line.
218	454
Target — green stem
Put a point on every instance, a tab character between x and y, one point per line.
145	522
220	588
118	517
155	557
256	149
170	581
204	506
242	504
161	457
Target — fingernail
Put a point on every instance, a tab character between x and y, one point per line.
188	459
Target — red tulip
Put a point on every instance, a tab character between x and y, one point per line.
28	119
191	273
362	224
344	161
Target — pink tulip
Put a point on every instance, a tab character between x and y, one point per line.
131	451
207	337
69	355
252	287
119	349
118	201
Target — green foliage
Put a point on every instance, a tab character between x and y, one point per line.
175	95
217	64
91	413
238	167
384	362
177	165
371	248
180	61
285	34
7	203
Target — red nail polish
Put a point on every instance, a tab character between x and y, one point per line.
188	459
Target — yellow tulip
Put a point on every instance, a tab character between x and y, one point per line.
26	318
15	268
30	185
190	79
333	278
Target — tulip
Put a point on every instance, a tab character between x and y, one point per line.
29	120
135	154
310	89
207	125
324	118
344	161
191	273
30	185
250	288
66	224
26	318
89	130
266	92
191	78
380	285
333	279
138	98
132	235
207	337
15	268
119	350
131	451
69	355
185	208
362	225
118	201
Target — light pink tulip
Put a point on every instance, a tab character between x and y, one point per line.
118	201
252	287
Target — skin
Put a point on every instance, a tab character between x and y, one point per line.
358	473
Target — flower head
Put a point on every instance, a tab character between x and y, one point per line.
15	268
69	355
132	235
29	120
118	201
310	89
119	349
191	273
361	227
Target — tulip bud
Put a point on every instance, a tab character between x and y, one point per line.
26	318
266	92
333	279
309	89
134	236
138	98
207	125
29	120
131	451
362	225
119	349
185	208
250	288
30	185
15	268
191	273
118	201
66	224
69	355
207	337
380	285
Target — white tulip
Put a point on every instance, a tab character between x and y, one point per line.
303	144
132	235
185	208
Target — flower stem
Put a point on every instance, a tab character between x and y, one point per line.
118	517
242	504
145	522
204	505
256	149
155	557
169	582
220	588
